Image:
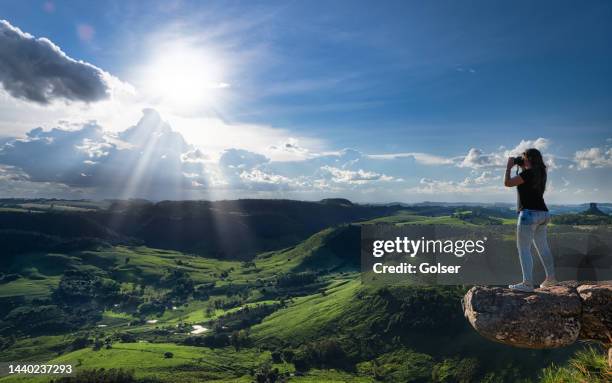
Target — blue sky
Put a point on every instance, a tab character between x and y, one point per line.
374	101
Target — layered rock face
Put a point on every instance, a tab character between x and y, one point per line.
546	318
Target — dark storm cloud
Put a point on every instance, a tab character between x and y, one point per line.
37	70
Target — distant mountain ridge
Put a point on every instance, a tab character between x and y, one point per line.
230	229
236	229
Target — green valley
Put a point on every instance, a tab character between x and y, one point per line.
122	310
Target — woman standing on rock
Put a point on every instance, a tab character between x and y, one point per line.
533	216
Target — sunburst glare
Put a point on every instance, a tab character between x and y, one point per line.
185	78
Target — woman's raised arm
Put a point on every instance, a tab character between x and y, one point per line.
511	181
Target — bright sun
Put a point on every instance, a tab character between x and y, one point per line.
184	78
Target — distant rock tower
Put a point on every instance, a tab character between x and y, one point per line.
593	210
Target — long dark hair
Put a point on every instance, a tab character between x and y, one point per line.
538	167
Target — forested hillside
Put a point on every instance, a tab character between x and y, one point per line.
90	287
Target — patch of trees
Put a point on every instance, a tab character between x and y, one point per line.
6	278
221	338
127	337
60	224
203	291
231	289
296	279
7	341
422	309
408	308
80	298
477	217
82	286
99	343
80	342
38	319
16	242
180	283
9	303
131	300
245	317
153	307
216	340
282	355
46	316
327	353
439	210
225	303
248	265
582	219
266	374
240	339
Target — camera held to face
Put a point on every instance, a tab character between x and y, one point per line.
519	161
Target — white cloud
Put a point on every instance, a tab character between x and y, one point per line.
476	158
485	177
241	159
268	140
153	160
291	150
423	158
239	169
259	176
358	177
540	143
484	183
593	158
431	186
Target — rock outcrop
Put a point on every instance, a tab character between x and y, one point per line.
546	318
596	318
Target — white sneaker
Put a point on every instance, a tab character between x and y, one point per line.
548	283
521	287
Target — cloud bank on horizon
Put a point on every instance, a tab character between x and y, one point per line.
151	160
170	153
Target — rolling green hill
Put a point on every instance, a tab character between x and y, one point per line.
298	313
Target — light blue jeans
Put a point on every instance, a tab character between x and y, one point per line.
531	228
